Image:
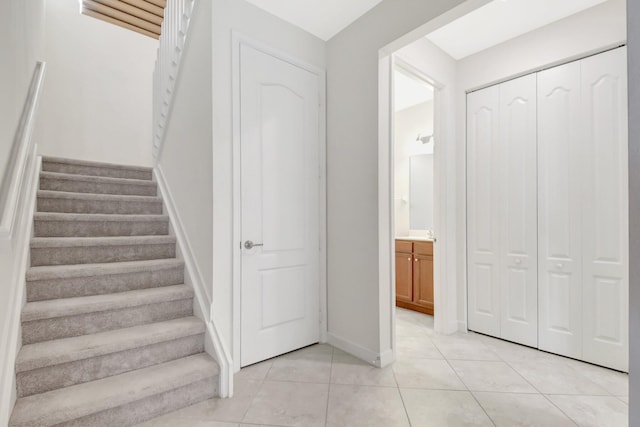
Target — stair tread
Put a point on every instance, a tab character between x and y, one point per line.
53	194
48	159
69	403
49	309
82	270
76	217
96	179
67	242
64	350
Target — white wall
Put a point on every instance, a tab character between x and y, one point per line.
360	309
575	36
21	44
228	16
186	156
97	94
633	50
408	124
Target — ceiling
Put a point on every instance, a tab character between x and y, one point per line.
502	20
322	18
409	91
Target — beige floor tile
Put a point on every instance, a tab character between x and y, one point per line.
522	410
257	371
616	383
406	328
350	370
438	408
300	370
557	378
594	411
365	406
625	399
416	347
289	404
512	352
463	347
426	373
490	376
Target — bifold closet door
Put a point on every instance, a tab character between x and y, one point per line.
502	215
483	211
605	229
560	157
518	211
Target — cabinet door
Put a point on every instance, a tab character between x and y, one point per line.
560	154
404	277
518	210
423	281
605	215
483	221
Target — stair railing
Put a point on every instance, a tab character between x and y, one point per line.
175	29
14	178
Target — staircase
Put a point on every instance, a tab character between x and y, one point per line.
108	332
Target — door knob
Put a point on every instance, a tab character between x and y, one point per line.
559	266
250	245
518	261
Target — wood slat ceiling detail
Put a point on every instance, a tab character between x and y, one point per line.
142	16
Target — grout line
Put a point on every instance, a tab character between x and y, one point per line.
406	411
326	412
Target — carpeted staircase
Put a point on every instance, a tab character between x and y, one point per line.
108	332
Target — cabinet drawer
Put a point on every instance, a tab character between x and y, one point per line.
423	248
404	246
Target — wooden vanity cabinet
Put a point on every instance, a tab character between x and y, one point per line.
414	275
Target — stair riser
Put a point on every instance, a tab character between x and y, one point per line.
67	374
41	290
100	228
101	254
99	206
55	184
151	407
91	323
95	171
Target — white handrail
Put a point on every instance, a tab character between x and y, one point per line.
13	176
175	28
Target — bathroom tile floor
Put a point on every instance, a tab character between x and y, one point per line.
440	381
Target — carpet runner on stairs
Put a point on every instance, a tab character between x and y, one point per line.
108	332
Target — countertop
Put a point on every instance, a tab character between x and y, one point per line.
415	239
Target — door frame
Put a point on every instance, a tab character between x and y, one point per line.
238	39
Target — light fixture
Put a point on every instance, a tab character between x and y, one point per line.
425	139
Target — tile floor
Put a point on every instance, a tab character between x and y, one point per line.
440	381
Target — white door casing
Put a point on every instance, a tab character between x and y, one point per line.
560	154
605	241
518	211
483	203
279	134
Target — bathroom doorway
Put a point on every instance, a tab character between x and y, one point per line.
413	167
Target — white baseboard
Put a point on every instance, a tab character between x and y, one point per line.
369	356
461	326
193	277
19	249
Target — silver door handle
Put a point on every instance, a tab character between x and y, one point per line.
250	245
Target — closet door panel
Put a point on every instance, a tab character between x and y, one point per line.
606	224
518	231
483	211
560	154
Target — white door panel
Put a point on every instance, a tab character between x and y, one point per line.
518	230
279	187
560	154
605	226
483	210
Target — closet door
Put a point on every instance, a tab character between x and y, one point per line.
483	207
560	154
605	214
518	206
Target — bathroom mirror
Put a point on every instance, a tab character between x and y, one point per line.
421	192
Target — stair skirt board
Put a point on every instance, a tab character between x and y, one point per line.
108	332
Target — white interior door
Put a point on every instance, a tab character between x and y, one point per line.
605	214
518	211
483	205
279	134
560	156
